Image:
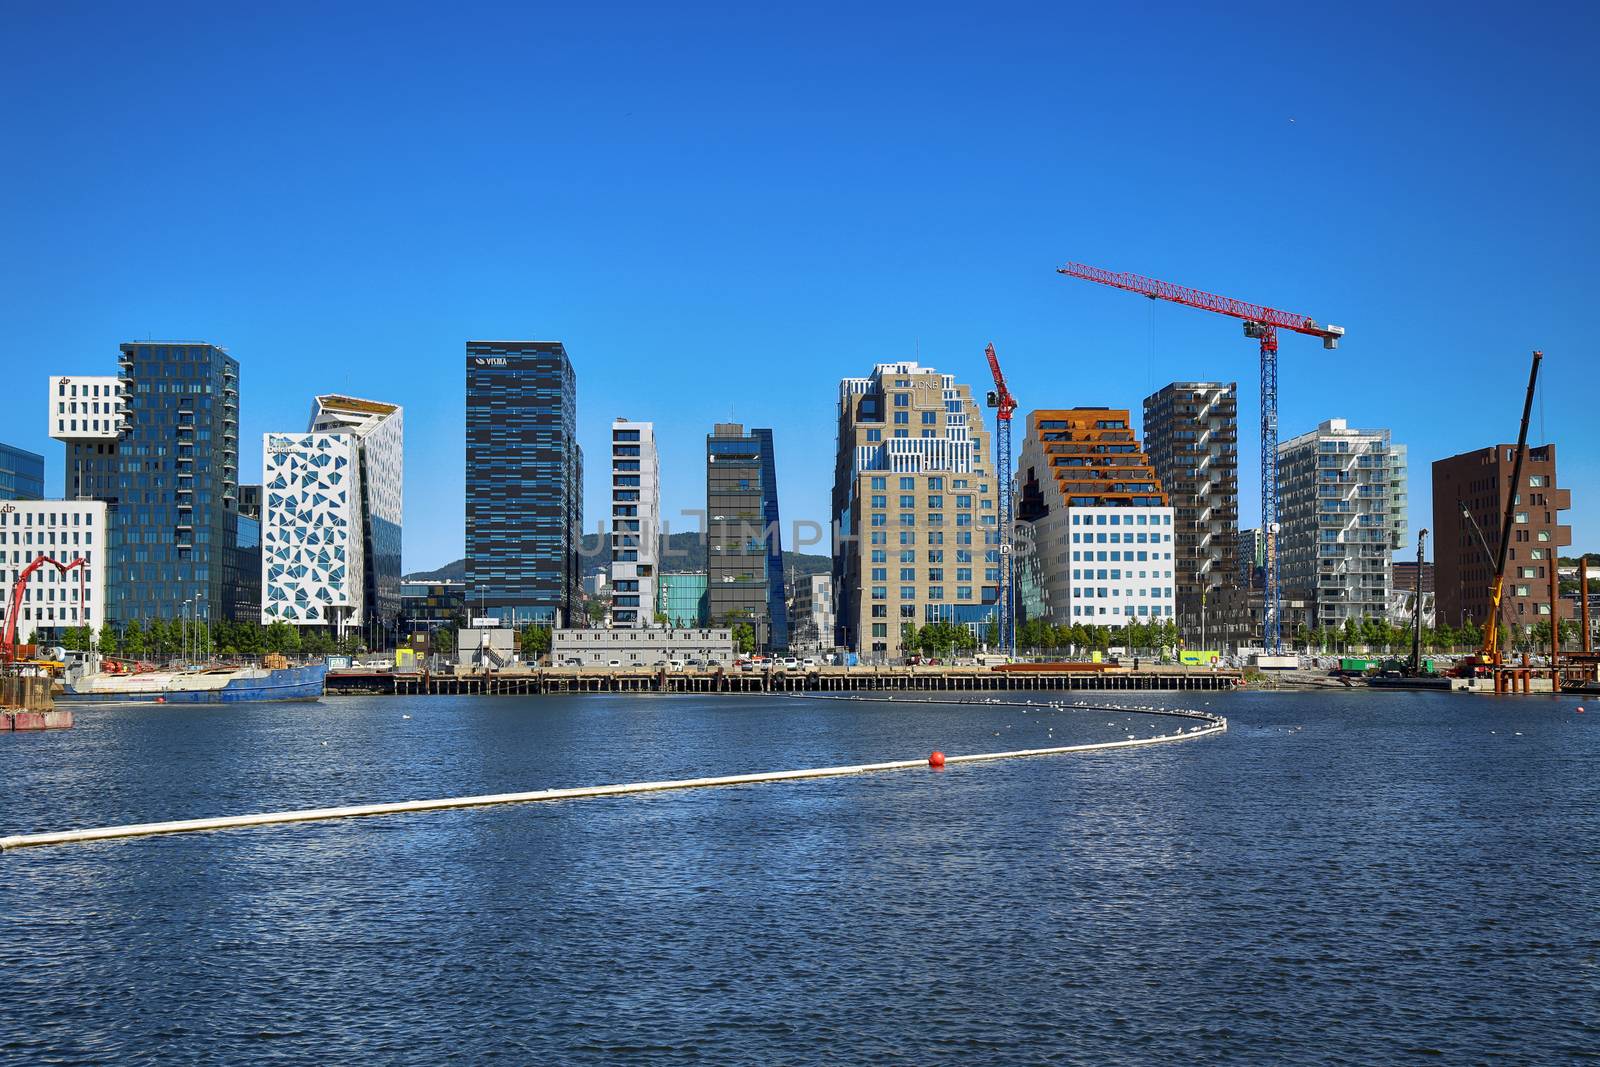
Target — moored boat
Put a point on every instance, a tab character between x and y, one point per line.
218	685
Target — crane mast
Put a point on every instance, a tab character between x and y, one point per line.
8	636
1490	652
1261	324
1005	404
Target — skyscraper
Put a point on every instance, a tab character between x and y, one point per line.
331	552
635	523
1480	483
917	538
524	481
1102	529
744	549
1191	431
379	432
159	443
21	474
1342	509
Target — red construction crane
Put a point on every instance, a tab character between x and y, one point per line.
1004	403
8	640
1261	324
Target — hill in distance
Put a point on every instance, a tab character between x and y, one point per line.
680	553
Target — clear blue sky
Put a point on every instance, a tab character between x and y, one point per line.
731	208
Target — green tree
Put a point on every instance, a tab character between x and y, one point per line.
160	638
109	642
910	639
283	638
133	642
316	641
534	641
992	633
744	638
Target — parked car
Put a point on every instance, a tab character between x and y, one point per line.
614	663
809	663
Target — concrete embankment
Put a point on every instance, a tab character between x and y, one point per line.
820	680
26	704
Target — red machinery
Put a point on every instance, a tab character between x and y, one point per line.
1261	324
8	640
1004	403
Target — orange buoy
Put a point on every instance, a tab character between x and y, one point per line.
161	700
936	759
1580	709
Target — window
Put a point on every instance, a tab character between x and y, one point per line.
902	400
1521	516
907	483
930	418
902	418
880	483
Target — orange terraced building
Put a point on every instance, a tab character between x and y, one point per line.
1101	546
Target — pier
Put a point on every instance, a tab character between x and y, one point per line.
515	682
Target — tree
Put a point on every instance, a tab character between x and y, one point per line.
534	641
109	643
597	610
132	642
744	638
992	634
283	638
910	639
316	641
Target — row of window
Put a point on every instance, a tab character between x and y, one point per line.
934	483
909	592
1148	610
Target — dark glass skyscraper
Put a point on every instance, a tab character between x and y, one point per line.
169	473
524	482
744	552
21	474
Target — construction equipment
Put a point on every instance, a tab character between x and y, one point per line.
1490	652
1416	607
8	638
1261	324
1005	404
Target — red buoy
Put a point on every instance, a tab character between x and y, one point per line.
161	700
1580	709
936	759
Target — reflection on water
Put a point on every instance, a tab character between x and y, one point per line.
1343	877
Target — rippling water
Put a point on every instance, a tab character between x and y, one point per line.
1342	878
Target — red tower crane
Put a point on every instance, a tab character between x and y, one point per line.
8	639
1005	404
1261	324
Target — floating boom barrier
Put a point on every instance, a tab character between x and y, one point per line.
1212	724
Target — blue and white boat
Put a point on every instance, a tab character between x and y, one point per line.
217	685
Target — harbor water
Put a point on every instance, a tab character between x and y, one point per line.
1342	877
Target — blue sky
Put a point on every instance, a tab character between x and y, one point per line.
726	209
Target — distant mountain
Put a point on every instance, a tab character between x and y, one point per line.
450	572
680	553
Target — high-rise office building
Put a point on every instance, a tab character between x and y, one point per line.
1102	531
250	501
744	547
1191	432
635	523
312	551
1480	483
524	480
916	527
21	474
378	431
159	444
1342	512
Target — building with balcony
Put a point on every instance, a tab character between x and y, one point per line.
65	531
635	523
1099	528
1479	483
1191	432
744	543
916	524
21	474
1342	513
524	482
159	444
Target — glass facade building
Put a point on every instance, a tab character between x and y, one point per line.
524	482
21	474
681	599
744	549
167	465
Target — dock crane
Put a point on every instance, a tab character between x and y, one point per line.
1261	324
8	637
1005	404
1490	652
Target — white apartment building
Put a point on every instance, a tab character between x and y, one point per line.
1342	512
811	618
635	523
1097	529
66	531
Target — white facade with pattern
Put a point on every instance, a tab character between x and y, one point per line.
311	543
